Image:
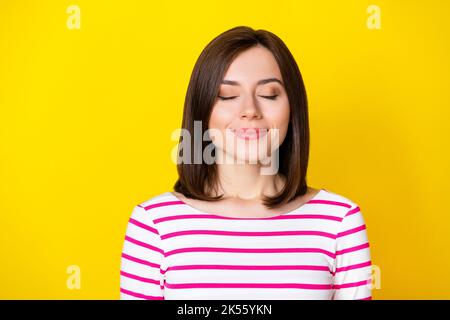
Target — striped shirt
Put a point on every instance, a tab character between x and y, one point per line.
174	251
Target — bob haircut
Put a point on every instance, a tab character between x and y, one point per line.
194	179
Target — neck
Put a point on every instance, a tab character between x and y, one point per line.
245	181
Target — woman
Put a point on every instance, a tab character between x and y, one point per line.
246	225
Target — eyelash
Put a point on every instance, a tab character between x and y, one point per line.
267	97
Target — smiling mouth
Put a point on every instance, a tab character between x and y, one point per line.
250	133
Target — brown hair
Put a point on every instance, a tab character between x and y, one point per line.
204	86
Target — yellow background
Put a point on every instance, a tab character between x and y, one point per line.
86	117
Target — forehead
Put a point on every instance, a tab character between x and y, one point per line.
252	65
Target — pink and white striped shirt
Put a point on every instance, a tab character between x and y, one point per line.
319	250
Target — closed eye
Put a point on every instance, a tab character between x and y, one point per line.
226	98
267	97
270	97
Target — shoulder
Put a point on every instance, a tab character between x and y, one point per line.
157	206
157	200
338	203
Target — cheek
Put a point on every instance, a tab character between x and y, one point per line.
278	116
220	117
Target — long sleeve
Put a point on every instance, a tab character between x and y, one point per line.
352	270
142	256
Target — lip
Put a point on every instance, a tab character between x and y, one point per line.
250	133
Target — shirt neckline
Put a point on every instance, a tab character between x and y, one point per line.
247	218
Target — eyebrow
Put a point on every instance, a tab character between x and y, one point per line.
260	82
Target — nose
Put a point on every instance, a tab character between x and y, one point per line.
250	109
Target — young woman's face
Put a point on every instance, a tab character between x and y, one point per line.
250	96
